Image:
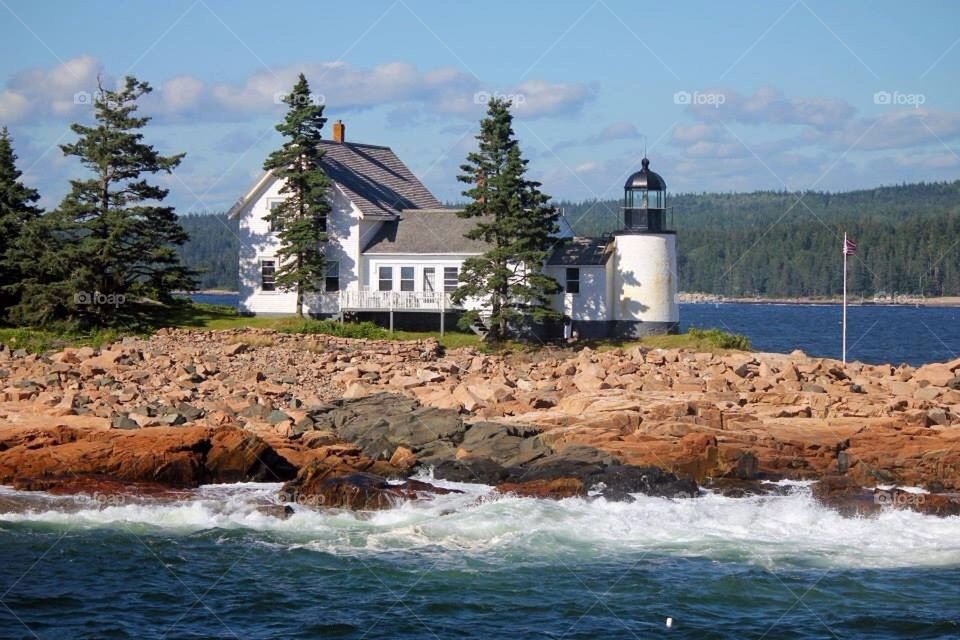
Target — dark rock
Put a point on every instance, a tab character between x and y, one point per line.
276	417
189	411
382	422
363	492
121	421
746	468
508	445
477	470
279	511
255	412
574	461
617	482
734	488
954	383
172	419
843	462
303	425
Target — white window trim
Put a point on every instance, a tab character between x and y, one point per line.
326	270
269	204
393	277
400	278
260	288
567	280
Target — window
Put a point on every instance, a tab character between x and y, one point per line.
275	225
408	280
450	278
385	275
573	280
331	280
267	270
429	279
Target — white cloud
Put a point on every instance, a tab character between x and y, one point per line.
35	94
611	133
768	105
45	93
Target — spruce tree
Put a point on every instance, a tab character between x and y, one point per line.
514	218
114	237
17	211
301	217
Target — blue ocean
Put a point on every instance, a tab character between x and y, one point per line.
875	333
217	564
212	565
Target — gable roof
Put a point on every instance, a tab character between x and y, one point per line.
425	231
372	177
581	251
375	179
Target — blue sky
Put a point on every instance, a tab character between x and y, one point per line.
725	96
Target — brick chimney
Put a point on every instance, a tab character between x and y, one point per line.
339	129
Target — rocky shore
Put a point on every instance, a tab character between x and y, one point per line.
346	423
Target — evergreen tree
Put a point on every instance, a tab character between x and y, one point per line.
514	218
17	211
301	218
115	244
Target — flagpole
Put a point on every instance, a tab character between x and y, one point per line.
844	297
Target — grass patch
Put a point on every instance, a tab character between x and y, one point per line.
707	340
41	340
219	317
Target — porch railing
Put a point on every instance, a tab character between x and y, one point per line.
394	301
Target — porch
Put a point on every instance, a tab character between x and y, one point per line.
391	302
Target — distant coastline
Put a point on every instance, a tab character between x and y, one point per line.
710	298
900	300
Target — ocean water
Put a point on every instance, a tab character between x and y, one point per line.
875	333
472	565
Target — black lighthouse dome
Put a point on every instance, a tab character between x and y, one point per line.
645	201
646	179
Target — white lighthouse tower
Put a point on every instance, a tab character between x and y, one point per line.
645	254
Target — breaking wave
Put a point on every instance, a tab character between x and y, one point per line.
770	531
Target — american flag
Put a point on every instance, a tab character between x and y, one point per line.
849	246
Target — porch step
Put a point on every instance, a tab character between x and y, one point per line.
480	328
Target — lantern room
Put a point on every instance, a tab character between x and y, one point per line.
644	202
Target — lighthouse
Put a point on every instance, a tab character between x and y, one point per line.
645	260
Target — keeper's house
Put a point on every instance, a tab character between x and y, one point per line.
394	253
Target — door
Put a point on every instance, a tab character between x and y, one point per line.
429	279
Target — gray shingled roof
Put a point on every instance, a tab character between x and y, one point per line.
581	251
375	179
425	231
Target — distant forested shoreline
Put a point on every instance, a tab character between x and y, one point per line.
764	243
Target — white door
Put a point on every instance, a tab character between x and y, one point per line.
429	279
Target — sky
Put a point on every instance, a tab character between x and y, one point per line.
738	96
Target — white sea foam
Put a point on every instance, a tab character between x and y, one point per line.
771	531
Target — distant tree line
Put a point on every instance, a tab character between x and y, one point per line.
767	243
213	249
